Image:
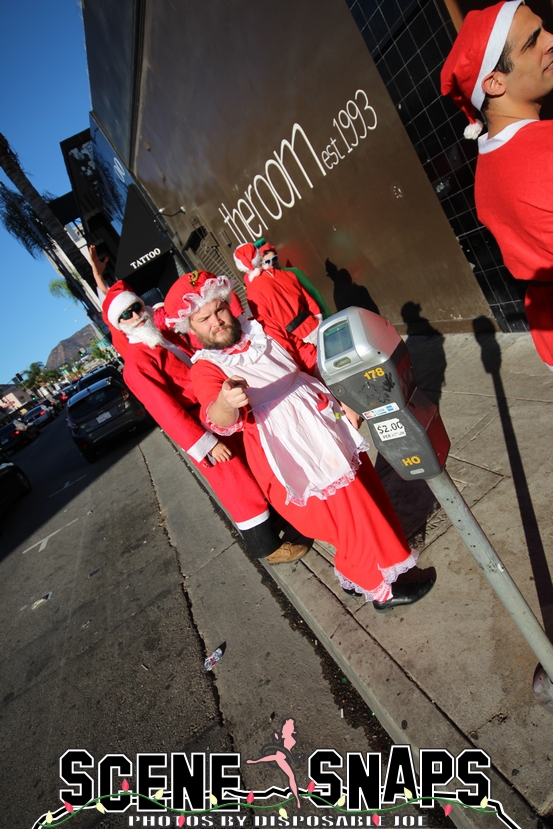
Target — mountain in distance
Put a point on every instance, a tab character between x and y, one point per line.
68	349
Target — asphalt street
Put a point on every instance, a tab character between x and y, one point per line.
99	650
109	605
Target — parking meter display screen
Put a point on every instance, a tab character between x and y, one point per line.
337	339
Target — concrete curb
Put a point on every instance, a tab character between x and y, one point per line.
386	687
388	690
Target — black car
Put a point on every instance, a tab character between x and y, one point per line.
101	412
71	390
16	434
13	482
54	403
98	374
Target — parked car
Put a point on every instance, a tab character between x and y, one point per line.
93	377
62	397
16	434
99	374
100	412
13	482
54	403
72	389
39	415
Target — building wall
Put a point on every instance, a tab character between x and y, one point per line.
217	99
13	398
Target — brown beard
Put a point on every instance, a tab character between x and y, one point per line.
233	334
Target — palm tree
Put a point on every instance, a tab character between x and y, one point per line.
10	164
51	375
98	352
33	376
19	220
58	287
76	368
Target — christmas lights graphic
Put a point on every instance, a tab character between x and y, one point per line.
62	815
365	795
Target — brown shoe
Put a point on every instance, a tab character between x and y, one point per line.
287	553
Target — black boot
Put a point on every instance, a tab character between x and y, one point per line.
351	591
407	593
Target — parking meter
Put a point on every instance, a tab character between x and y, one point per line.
365	363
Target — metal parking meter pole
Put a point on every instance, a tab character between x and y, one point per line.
495	571
365	363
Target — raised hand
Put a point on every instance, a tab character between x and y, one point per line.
234	392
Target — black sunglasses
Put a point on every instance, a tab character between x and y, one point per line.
136	308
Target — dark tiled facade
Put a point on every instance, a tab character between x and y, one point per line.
409	42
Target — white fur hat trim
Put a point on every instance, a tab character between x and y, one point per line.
494	48
119	304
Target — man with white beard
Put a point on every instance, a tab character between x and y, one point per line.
157	371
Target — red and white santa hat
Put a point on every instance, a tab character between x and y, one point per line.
248	260
189	293
118	299
474	55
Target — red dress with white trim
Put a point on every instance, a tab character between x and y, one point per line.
309	460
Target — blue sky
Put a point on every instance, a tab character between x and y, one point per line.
44	98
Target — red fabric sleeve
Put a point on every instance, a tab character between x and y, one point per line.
207	379
160	396
311	304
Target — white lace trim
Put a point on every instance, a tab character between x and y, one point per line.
331	489
224	431
389	575
252	333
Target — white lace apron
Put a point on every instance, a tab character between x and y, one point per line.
311	448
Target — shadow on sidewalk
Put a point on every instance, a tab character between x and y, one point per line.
484	333
426	349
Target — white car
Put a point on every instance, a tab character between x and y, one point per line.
39	415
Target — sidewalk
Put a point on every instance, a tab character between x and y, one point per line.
453	671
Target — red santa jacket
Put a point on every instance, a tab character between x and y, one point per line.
161	381
514	196
277	300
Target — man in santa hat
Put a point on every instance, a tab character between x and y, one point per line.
308	459
269	259
119	340
501	65
157	371
281	304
